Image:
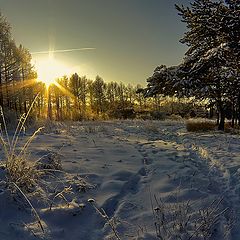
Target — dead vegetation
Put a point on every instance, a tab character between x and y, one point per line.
182	220
200	126
27	180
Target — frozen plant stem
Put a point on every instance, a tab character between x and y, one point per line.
30	140
20	128
30	204
104	215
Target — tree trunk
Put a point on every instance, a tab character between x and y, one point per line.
233	114
238	110
57	108
218	114
49	103
1	88
222	117
211	112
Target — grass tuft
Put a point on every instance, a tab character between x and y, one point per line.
18	169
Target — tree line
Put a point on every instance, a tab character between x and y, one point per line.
70	98
16	72
77	98
210	70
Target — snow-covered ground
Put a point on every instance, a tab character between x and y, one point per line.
143	174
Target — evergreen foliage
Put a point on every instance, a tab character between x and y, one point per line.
210	68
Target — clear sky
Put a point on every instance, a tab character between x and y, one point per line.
130	37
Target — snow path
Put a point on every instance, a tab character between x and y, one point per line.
127	161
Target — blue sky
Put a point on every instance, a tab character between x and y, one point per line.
130	37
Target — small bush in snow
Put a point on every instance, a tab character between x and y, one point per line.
200	126
157	115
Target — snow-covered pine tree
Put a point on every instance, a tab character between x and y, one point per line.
232	36
207	65
162	82
210	68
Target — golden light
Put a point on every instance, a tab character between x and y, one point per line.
49	69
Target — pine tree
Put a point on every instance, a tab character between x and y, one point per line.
210	68
163	81
206	65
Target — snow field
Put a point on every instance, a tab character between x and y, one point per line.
131	168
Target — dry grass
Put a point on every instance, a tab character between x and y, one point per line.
21	175
203	125
19	171
43	179
181	220
200	126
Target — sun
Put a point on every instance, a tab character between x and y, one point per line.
49	69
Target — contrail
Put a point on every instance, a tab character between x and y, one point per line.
63	50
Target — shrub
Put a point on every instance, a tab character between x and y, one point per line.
127	113
200	126
232	130
157	115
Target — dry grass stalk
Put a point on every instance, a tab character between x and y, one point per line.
61	196
30	204
110	221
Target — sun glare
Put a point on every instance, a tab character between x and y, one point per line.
49	70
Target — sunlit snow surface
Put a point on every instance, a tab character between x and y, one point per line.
127	163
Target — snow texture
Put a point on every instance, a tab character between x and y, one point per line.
126	163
